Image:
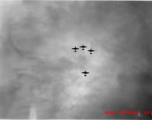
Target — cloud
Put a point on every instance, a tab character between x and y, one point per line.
39	37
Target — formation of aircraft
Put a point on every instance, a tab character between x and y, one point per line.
85	73
83	47
91	50
75	48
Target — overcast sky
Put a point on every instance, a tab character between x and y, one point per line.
39	70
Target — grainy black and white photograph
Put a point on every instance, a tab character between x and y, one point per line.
75	59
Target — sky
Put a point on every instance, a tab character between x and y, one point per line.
41	73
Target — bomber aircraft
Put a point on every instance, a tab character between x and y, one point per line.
75	48
83	46
91	50
85	72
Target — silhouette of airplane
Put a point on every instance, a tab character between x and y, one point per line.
85	72
83	46
75	48
91	51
